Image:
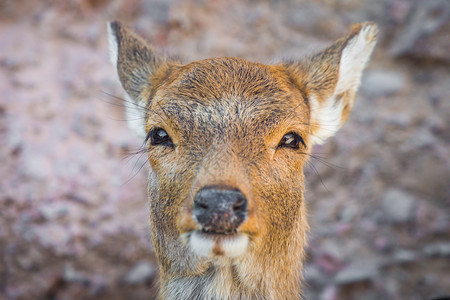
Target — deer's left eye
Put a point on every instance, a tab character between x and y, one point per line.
291	140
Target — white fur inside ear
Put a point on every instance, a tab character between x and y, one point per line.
135	112
135	115
325	118
113	46
355	57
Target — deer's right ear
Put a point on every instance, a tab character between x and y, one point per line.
136	63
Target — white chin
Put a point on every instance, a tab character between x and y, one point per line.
207	245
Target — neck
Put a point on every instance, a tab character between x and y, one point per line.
227	279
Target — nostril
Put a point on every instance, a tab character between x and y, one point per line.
239	205
202	205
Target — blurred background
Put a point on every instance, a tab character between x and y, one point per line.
73	205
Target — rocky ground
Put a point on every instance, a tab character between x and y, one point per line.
73	210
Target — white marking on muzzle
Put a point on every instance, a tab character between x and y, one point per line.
231	246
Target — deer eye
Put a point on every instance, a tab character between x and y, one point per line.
159	136
291	140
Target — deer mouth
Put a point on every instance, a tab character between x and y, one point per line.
206	243
218	232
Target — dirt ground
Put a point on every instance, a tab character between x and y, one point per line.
73	208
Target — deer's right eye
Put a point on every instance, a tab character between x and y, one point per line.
159	137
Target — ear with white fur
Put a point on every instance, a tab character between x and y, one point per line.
330	79
136	62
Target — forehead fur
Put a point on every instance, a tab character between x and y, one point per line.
224	77
237	85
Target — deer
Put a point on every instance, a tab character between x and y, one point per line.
227	140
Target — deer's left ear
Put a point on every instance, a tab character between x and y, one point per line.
330	79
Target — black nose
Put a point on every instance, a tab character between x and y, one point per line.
220	210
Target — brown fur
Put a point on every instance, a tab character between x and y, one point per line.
226	117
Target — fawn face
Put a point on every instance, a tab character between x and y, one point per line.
227	141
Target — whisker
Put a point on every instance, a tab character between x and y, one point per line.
311	165
323	160
134	167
